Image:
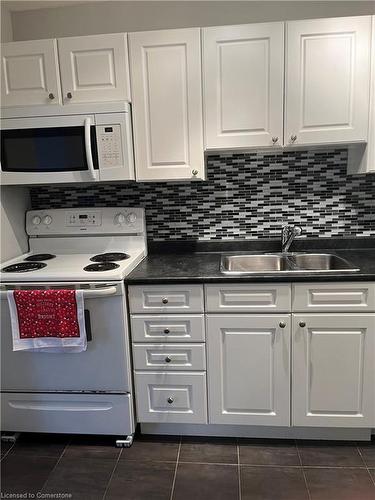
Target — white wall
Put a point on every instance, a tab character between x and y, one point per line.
6	24
13	239
108	17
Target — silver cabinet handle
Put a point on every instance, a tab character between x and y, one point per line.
51	96
275	140
194	172
293	138
170	400
164	300
302	324
282	324
69	95
166	331
168	359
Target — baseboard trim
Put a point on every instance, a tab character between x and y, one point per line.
258	431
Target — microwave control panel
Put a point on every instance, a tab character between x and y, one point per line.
109	145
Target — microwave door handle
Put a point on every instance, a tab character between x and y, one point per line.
90	163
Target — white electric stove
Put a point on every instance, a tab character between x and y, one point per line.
90	249
96	244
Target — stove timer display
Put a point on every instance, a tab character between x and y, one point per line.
83	219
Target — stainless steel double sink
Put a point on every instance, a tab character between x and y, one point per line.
275	263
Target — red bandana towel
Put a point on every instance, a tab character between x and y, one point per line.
48	320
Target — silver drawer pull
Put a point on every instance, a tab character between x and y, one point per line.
282	324
168	359
166	331
170	400
164	300
302	324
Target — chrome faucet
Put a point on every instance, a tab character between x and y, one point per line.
288	233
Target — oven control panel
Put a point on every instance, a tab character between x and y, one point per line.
81	218
98	221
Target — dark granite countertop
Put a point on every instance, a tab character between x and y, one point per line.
199	262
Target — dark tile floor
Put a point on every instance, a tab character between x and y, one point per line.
170	468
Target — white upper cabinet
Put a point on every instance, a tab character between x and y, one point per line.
29	73
243	85
167	104
361	158
327	80
94	68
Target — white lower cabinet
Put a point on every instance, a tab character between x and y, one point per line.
283	355
171	397
249	369
333	370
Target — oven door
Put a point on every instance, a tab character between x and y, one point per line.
49	150
103	367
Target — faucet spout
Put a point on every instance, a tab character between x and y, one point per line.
288	233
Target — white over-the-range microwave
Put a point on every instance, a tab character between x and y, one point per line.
79	143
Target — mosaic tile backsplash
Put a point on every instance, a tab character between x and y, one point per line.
246	195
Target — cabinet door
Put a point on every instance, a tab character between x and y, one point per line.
243	85
94	68
167	104
29	73
334	370
249	369
328	76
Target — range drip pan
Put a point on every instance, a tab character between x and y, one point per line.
23	267
101	266
110	257
40	256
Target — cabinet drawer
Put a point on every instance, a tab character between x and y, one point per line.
67	413
164	298
248	298
169	356
168	328
331	297
171	397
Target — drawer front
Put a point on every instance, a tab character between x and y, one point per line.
168	328
164	298
334	297
171	397
169	356
67	413
248	298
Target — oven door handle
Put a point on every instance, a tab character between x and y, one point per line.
89	160
87	294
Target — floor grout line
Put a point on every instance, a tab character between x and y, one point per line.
303	470
112	474
367	467
239	471
175	470
7	452
57	463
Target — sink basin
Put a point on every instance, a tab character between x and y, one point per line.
284	263
253	263
321	262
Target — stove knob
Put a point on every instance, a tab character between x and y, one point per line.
36	220
120	219
131	218
47	220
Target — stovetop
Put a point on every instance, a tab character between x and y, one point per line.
70	267
83	244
